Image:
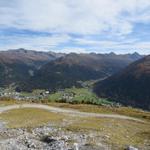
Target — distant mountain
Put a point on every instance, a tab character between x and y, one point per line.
28	57
67	71
18	65
131	86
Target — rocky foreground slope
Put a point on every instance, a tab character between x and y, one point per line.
46	138
51	138
69	129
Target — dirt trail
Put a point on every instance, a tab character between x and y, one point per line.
67	111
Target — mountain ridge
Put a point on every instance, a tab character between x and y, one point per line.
57	70
69	70
130	86
19	64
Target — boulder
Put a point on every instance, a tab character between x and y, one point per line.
131	148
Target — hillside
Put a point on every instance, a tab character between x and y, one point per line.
130	86
18	65
69	70
29	57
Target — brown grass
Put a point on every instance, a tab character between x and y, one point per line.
118	132
132	112
29	117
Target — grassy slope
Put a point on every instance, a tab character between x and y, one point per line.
128	111
28	117
113	131
8	101
91	108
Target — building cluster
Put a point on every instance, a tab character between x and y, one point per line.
66	96
20	96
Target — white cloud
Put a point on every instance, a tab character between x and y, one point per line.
80	16
72	50
103	46
37	43
111	18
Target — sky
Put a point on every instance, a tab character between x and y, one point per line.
100	26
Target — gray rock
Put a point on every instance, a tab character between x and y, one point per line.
32	145
131	148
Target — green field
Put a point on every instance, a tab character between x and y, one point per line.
78	96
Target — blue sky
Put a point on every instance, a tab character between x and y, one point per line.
121	26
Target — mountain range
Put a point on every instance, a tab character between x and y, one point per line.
70	69
123	78
131	86
19	65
